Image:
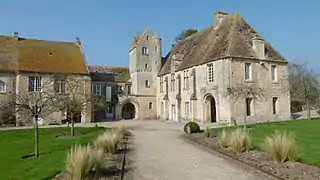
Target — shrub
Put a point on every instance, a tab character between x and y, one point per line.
238	141
82	161
123	130
207	132
223	138
281	146
191	127
108	141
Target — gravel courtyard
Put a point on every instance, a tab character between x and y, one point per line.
156	151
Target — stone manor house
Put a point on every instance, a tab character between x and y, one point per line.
190	83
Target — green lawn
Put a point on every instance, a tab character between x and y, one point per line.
307	133
16	143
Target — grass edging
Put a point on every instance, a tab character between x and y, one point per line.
203	146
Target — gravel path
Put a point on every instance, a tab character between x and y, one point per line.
157	152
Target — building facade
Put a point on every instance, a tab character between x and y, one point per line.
226	74
32	71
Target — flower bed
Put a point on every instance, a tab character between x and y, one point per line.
261	161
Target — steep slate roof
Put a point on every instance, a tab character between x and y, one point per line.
41	56
120	74
232	38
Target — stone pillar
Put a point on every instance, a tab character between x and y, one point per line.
178	111
193	110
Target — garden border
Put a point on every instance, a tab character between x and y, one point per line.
188	139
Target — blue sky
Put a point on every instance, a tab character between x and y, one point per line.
106	27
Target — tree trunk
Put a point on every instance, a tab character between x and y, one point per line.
72	125
245	121
36	137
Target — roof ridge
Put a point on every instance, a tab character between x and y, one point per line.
36	39
232	29
109	66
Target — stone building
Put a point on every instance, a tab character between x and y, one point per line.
131	91
30	66
199	72
193	80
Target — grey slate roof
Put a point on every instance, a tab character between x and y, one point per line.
232	38
117	74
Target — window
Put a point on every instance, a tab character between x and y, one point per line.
156	48
129	89
187	108
172	82
274	105
147	37
247	71
249	106
146	66
147	83
210	73
144	51
150	105
186	79
98	89
274	73
161	84
2	86
59	85
109	108
35	84
119	89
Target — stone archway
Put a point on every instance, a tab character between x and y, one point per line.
128	111
210	109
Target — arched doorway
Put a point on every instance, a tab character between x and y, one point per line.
210	109
128	111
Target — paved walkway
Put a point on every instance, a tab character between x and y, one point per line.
157	152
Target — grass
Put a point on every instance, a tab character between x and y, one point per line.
82	161
17	143
280	146
307	136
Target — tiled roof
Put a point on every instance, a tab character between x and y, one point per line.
232	38
34	55
120	74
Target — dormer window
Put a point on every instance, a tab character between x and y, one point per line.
147	37
2	86
144	51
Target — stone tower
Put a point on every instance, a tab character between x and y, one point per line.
145	62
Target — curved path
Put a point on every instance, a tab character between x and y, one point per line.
156	151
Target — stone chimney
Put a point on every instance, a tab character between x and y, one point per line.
16	36
218	16
78	42
258	46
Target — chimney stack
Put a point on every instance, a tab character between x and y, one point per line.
78	42
258	46
16	36
218	16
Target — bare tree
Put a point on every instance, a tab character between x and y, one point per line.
304	86
243	93
78	98
33	103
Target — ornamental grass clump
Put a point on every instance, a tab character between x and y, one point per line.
281	146
238	141
83	162
223	139
109	141
207	132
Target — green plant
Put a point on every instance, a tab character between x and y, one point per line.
238	141
207	132
281	146
108	141
191	127
83	161
223	138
